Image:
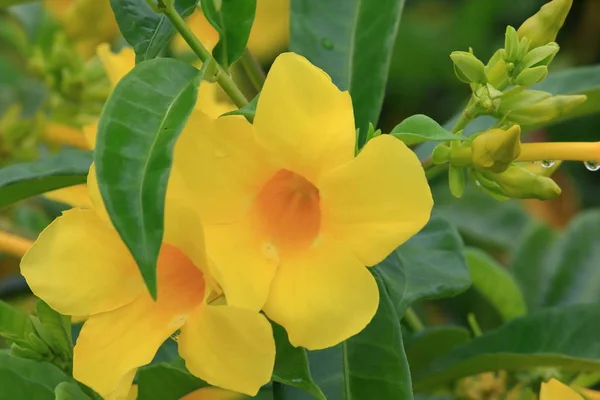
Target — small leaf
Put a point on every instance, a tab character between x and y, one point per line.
247	111
146	30
137	132
233	21
165	382
15	325
20	181
561	337
420	128
55	330
495	284
291	365
431	343
69	391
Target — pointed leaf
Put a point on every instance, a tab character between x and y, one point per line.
165	382
137	132
420	128
20	181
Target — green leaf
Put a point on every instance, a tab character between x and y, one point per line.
248	111
22	379
55	330
352	40
15	325
165	382
495	284
146	30
420	128
291	365
576	277
20	181
532	266
69	391
561	337
430	265
8	3
233	21
139	126
431	343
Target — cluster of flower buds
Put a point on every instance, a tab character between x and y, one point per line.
500	87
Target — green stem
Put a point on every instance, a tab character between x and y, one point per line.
474	324
468	114
253	70
221	76
413	321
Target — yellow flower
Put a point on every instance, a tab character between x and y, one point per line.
79	266
291	216
555	390
269	34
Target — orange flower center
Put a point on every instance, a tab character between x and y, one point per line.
288	210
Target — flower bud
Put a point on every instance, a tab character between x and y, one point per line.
496	149
546	110
488	98
456	181
520	183
542	55
531	76
543	27
511	44
495	70
440	154
468	68
518	97
488	186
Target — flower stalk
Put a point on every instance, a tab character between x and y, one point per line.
14	245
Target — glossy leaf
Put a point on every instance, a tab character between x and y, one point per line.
137	132
420	128
145	29
15	324
233	20
352	41
27	379
495	284
165	382
291	365
431	343
532	266
576	277
561	337
21	181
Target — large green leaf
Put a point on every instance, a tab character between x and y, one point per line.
565	337
352	40
163	381
22	379
576	277
291	365
532	266
420	128
431	343
495	284
20	181
233	20
139	126
147	31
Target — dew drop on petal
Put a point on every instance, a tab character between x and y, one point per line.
592	165
327	44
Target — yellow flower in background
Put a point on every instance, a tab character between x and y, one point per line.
293	217
269	34
556	390
80	266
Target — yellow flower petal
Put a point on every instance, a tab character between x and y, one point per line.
213	101
213	393
303	119
322	296
79	266
74	196
245	262
221	158
556	390
95	196
376	202
89	132
112	345
117	65
229	347
271	28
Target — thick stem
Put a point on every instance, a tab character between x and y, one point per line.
222	77
566	151
413	320
253	70
14	245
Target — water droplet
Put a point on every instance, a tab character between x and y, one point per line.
592	165
477	183
548	163
327	44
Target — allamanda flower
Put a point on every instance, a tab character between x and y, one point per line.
79	266
291	216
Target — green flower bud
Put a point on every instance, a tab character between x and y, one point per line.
496	71
488	98
488	186
440	154
468	68
496	149
542	55
531	76
546	110
518	97
25	352
520	183
456	181
511	44
38	344
543	27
